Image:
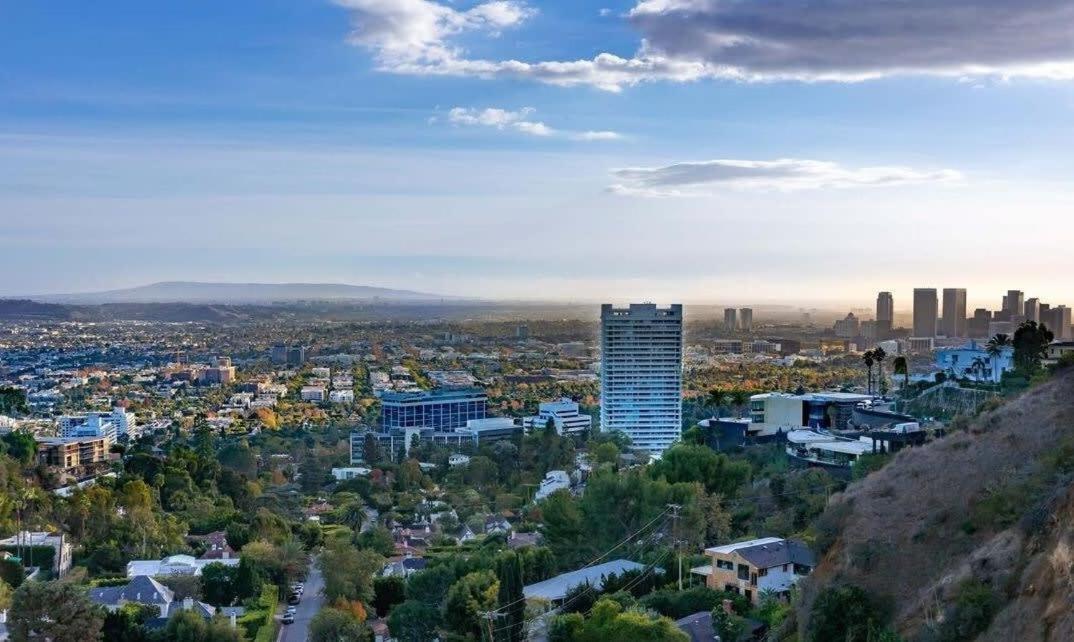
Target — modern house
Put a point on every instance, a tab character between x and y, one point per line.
824	449
175	565
553	480
563	414
756	566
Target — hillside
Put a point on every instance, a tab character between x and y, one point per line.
977	524
240	293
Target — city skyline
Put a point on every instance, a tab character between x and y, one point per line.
312	142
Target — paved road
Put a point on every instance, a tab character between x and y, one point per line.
312	600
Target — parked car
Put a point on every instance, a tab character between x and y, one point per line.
288	618
294	598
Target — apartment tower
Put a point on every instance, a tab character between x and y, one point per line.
641	373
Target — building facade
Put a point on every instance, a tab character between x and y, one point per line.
757	566
745	319
641	373
440	410
564	415
925	312
954	312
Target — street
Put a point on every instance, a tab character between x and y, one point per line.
312	600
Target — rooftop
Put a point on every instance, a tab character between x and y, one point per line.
556	588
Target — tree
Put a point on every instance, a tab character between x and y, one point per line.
1031	342
691	463
21	446
609	621
218	584
868	359
727	625
348	572
55	611
995	348
472	595
902	366
430	586
188	626
511	602
879	354
413	621
335	625
845	613
127	623
387	592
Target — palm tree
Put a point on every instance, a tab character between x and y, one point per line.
740	399
868	359
978	367
995	347
716	399
879	355
901	366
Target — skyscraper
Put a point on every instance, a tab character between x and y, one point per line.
885	307
954	312
926	308
730	319
1015	303
1062	320
745	319
1032	310
641	373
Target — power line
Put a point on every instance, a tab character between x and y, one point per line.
602	556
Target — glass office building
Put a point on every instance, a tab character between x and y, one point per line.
440	410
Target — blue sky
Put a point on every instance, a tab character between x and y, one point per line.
389	142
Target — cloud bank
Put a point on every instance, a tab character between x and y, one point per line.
745	40
702	177
520	121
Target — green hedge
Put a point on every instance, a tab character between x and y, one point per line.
260	623
40	555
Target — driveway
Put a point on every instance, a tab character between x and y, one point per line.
312	600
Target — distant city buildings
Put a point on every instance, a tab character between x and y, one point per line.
925	312
288	355
954	312
848	327
445	409
641	373
1015	303
745	319
730	319
222	372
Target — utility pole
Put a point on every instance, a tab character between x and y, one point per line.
488	616
675	508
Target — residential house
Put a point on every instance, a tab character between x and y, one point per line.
756	566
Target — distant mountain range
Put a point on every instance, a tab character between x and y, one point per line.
243	293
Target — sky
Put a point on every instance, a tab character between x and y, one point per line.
706	151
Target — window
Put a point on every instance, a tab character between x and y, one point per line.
725	565
762	572
801	569
743	572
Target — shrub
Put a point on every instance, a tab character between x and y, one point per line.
975	605
844	613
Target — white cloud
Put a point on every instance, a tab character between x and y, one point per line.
520	121
701	177
746	40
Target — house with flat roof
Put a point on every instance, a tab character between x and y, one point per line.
556	588
758	565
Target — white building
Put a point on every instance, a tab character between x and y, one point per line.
641	373
554	480
93	425
175	565
350	472
341	396
563	414
313	393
